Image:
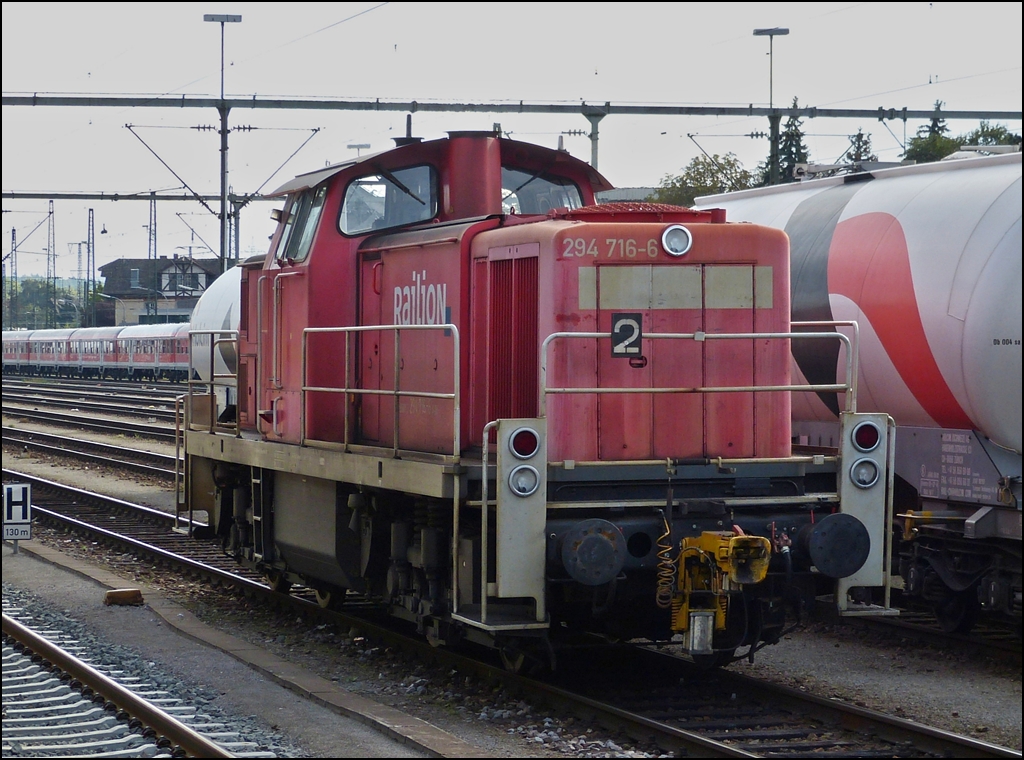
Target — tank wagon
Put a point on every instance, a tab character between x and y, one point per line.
927	259
511	415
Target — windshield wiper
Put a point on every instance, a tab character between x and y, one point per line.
531	179
398	183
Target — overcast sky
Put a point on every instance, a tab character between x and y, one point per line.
842	55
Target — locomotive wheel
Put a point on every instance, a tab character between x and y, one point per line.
716	660
323	598
958	612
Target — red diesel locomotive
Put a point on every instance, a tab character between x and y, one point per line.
509	414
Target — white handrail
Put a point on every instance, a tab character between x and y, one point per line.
397	393
849	387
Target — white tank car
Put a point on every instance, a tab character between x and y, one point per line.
927	259
217	310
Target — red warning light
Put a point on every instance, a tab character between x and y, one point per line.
524	443
866	436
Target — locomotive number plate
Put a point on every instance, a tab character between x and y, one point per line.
610	248
627	332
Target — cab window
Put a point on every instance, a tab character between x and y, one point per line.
388	199
301	218
525	191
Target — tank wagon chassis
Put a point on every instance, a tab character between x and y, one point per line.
718	550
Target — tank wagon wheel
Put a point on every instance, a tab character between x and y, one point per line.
278	583
958	612
512	658
527	657
329	599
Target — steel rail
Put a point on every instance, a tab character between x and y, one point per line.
89	451
118	427
670	737
863	720
194	743
81	404
165	518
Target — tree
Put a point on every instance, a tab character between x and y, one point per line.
36	302
792	149
860	148
33	303
937	125
989	134
931	142
704	175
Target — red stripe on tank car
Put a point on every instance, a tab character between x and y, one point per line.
870	264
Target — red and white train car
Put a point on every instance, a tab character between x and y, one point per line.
153	352
927	259
507	413
97	352
143	352
16	348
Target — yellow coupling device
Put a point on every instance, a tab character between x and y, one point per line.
711	566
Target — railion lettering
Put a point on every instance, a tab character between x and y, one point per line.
421	303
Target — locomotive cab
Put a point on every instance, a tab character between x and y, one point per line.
505	412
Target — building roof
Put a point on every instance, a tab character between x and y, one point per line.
117	275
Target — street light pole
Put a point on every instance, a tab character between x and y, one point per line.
774	118
223	110
780	31
124	308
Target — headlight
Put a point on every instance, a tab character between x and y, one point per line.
676	240
864	473
523	480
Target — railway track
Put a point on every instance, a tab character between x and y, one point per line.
135	527
104	402
684	709
987	639
759	719
109	425
56	703
109	455
160	389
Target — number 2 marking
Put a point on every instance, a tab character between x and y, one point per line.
626	334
